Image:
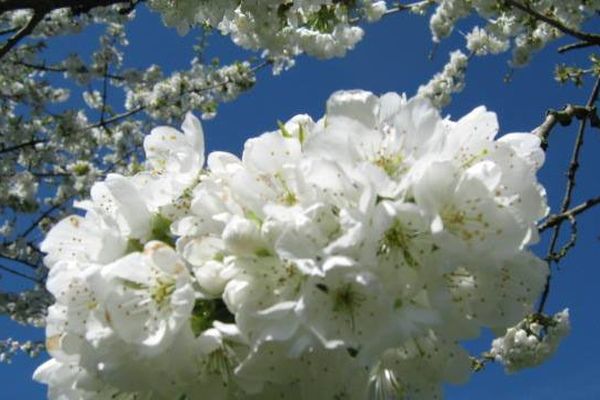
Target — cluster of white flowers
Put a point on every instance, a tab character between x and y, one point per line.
49	158
518	24
342	258
514	22
10	347
447	82
531	342
328	28
284	29
65	151
201	87
26	307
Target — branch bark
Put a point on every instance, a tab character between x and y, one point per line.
17	273
575	46
553	255
564	117
41	8
19	146
50	5
37	16
556	219
592	38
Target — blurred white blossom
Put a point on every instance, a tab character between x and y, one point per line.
531	342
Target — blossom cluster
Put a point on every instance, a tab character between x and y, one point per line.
531	341
327	28
347	257
450	80
523	26
49	158
284	29
514	24
10	347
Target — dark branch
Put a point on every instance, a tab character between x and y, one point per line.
575	46
50	68
78	6
24	31
41	8
19	146
591	38
34	224
17	273
555	219
553	255
116	118
565	117
19	260
133	111
8	30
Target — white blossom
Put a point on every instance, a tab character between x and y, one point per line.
531	342
367	244
451	80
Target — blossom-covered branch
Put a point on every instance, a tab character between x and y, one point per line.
590	38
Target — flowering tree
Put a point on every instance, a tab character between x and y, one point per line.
344	257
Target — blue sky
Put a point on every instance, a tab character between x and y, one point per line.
394	57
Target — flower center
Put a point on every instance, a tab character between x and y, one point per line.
220	363
398	237
391	164
162	291
346	300
462	224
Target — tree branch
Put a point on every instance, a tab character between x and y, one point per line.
575	46
555	219
133	111
37	16
45	214
19	146
553	255
50	68
591	38
17	273
565	117
50	5
8	30
41	8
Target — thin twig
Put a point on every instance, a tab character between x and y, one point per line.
41	8
9	30
78	6
35	19
575	46
543	131
555	219
564	117
553	255
34	224
17	273
138	109
558	255
586	37
115	118
50	68
104	93
18	260
399	7
20	146
408	7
